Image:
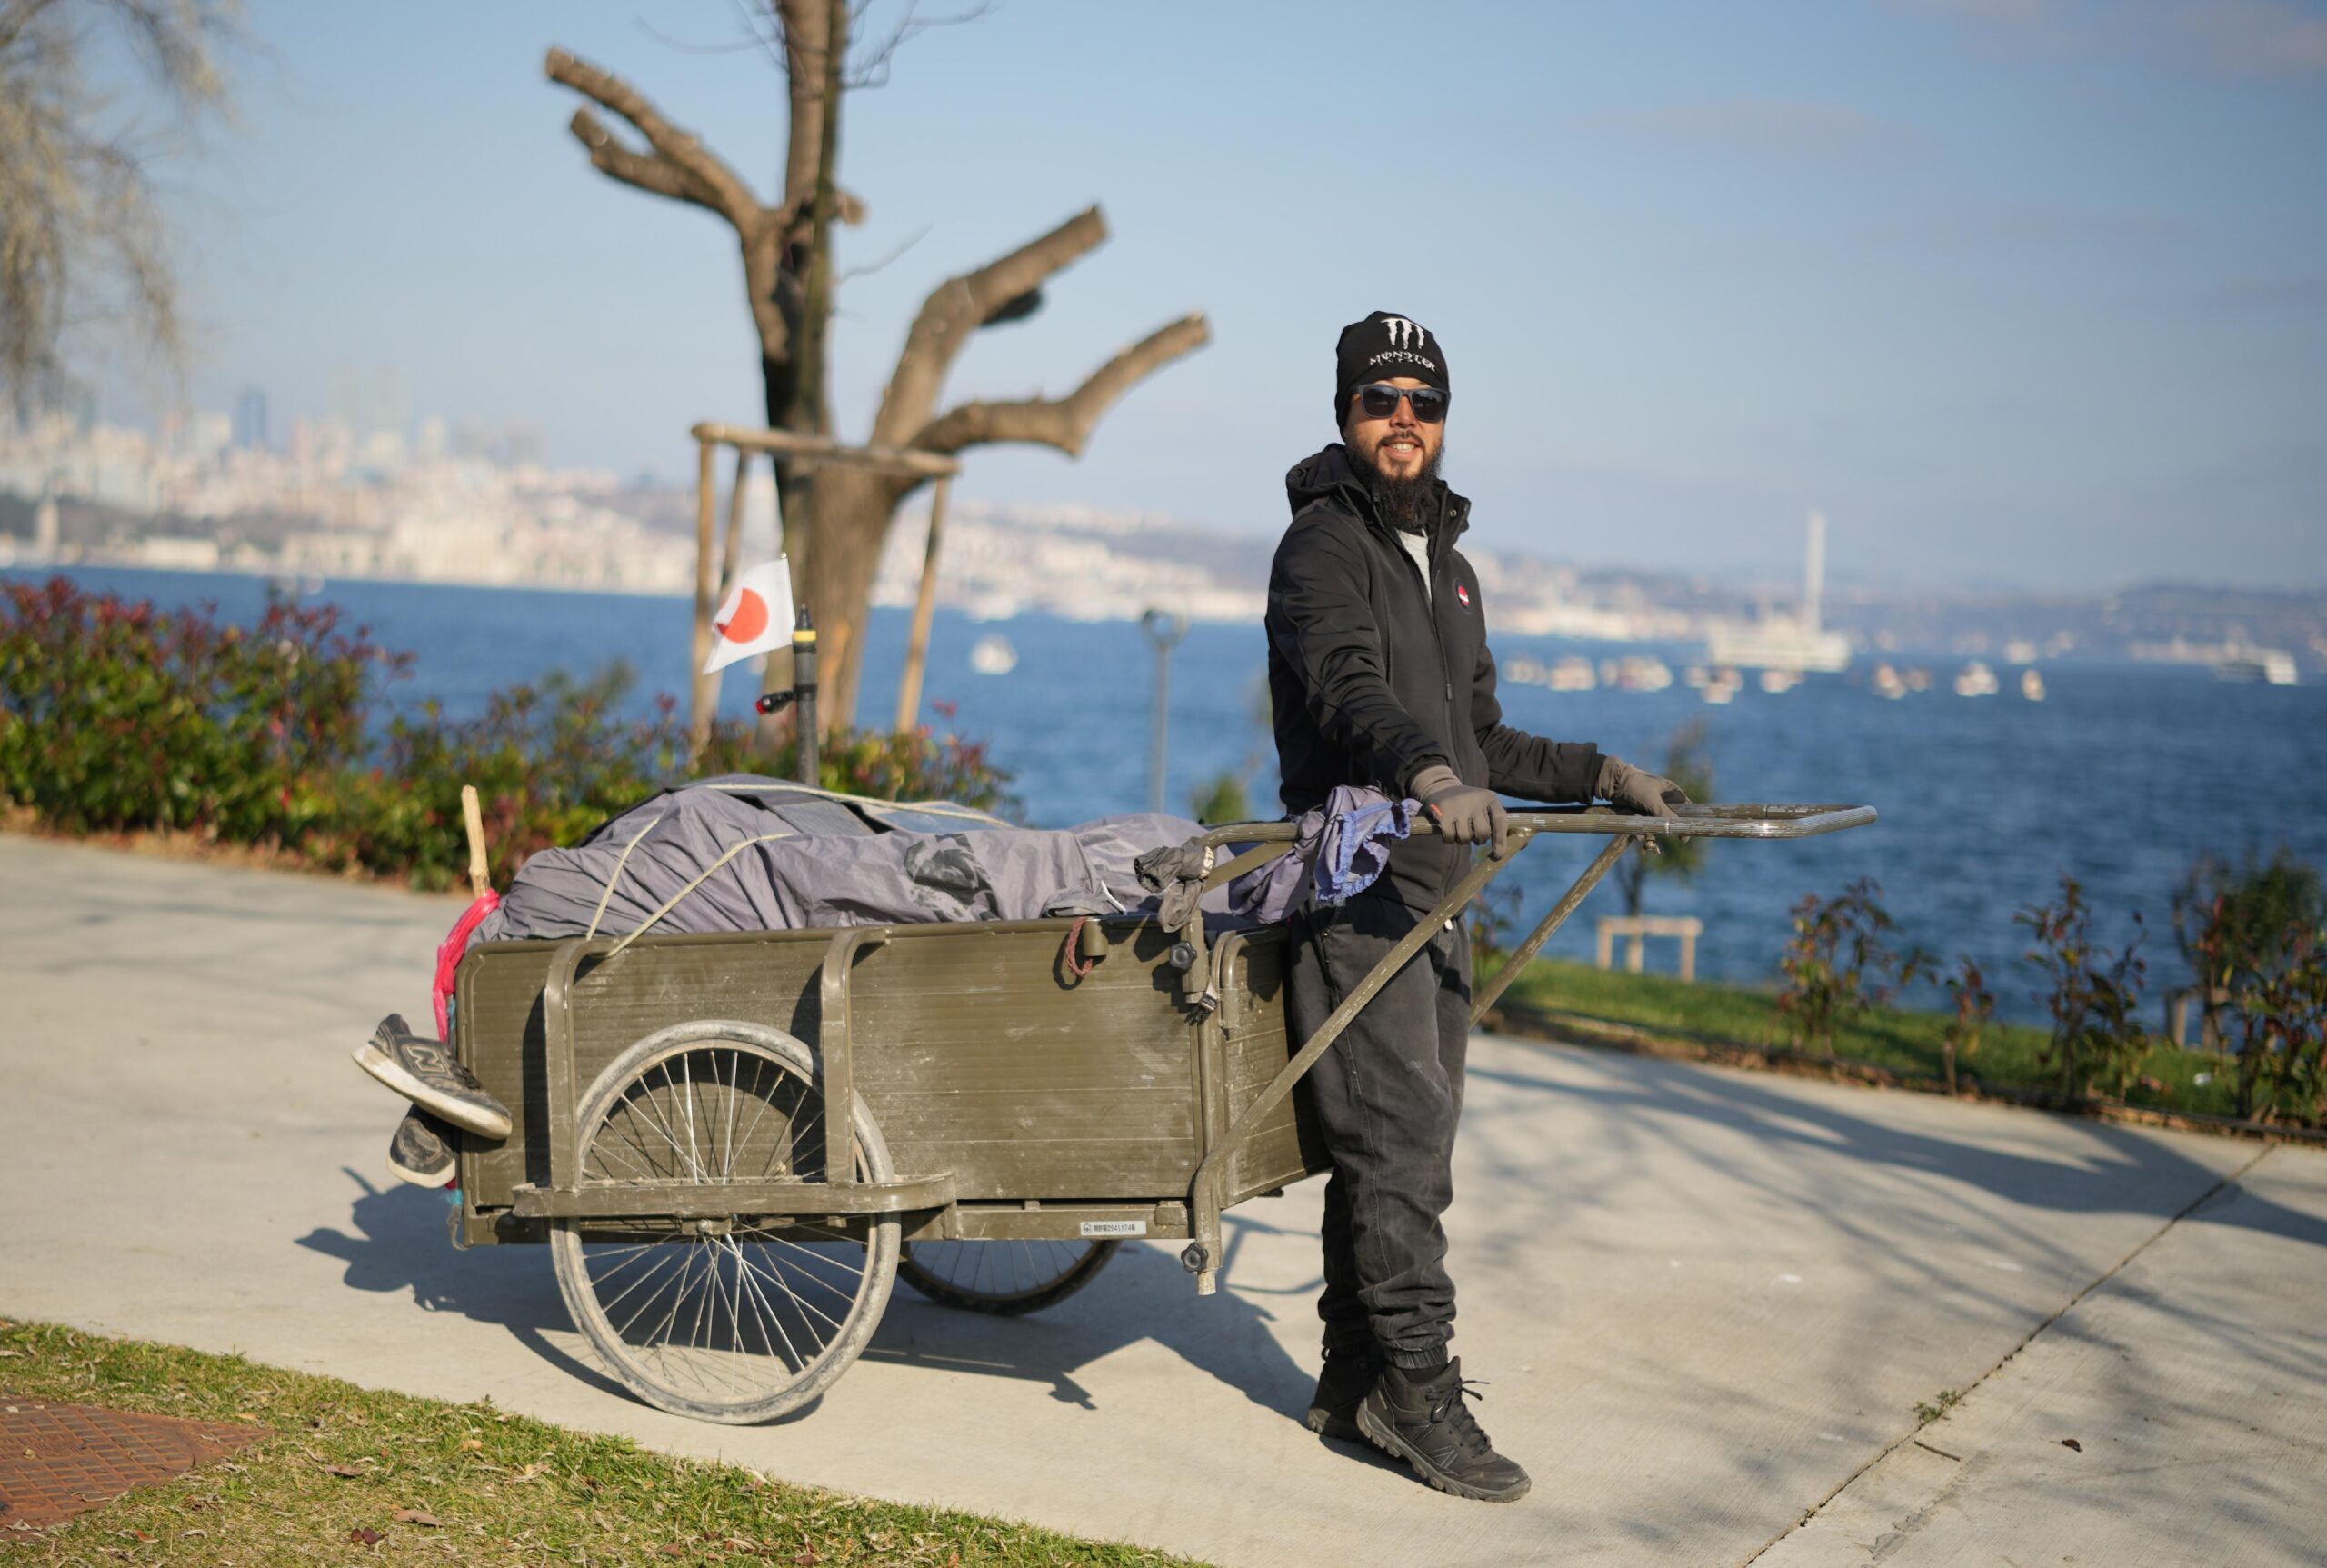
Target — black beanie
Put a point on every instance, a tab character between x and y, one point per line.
1376	349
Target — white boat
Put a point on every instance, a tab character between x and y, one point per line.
1776	681
1573	674
2031	685
1525	672
1975	680
1887	683
993	656
1781	642
2248	665
1641	672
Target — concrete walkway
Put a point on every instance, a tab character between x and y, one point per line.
1708	1302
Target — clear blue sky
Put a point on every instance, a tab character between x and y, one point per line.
2029	292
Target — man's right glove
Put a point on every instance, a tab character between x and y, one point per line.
1625	787
1464	813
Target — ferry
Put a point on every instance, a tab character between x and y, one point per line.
1976	680
1782	642
993	656
1572	674
1638	672
2249	664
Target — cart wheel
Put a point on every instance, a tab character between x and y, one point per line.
1005	1278
733	1320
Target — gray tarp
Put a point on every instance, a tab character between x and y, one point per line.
766	856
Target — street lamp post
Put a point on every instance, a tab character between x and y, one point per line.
1165	628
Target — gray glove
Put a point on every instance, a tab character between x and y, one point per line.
1627	788
1464	813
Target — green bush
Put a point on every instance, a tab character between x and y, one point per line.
2095	1044
1838	963
2254	935
115	716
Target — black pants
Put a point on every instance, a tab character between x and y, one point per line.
1388	1097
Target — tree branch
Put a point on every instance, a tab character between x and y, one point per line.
646	171
722	189
959	306
1064	423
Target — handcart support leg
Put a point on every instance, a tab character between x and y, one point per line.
558	1071
1600	865
1203	1254
836	1045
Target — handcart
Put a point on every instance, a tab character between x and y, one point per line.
1015	1099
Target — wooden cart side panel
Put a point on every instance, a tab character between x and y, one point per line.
973	1053
1285	1148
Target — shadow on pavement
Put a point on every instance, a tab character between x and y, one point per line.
396	1242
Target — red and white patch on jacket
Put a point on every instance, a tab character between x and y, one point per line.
1463	592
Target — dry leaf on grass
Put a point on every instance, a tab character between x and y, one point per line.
414	1516
341	1470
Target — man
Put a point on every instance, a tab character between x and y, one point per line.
1379	674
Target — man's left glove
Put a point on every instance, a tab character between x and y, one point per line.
1627	788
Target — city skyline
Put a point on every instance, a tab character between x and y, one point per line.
2028	295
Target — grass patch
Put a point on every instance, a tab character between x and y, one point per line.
1895	1041
1946	1400
503	1488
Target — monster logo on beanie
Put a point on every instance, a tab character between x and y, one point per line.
1381	346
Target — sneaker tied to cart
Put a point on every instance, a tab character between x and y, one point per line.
425	1073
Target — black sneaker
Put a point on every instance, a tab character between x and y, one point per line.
425	1073
422	1150
1423	1419
1341	1387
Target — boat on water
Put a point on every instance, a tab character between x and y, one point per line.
1975	680
2031	685
1572	674
1888	684
2248	666
1781	642
992	655
1525	672
1636	672
1774	681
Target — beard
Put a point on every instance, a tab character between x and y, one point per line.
1411	505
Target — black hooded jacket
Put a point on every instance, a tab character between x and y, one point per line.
1371	681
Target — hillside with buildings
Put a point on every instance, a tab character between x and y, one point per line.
350	497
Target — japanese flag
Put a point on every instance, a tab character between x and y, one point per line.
757	615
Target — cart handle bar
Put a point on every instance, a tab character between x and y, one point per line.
1203	1253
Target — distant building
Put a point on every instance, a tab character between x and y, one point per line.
250	419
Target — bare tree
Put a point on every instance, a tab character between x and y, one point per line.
82	245
838	517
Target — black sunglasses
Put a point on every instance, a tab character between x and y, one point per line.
1379	400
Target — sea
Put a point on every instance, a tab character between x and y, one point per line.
2122	777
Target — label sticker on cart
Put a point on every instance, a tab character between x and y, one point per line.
1114	1227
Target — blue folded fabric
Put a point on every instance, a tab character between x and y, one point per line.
1339	850
1355	847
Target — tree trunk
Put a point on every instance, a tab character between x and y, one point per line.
836	516
849	514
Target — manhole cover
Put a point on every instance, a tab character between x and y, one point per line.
59	1460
